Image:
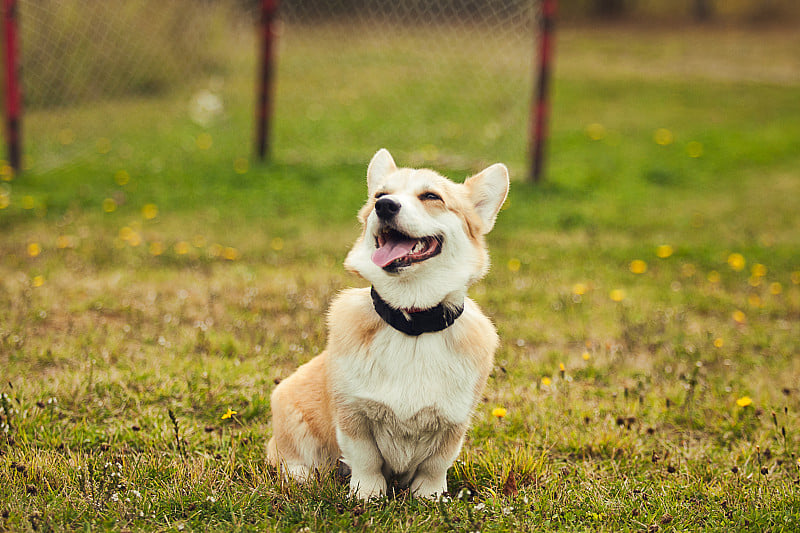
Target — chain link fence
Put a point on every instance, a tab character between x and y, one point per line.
419	77
91	68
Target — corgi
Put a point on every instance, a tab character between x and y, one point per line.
407	360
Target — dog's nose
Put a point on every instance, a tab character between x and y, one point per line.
386	208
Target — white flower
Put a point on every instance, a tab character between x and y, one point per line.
204	107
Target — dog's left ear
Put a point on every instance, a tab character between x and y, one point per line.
488	190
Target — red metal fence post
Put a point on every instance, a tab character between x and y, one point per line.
269	11
13	92
540	108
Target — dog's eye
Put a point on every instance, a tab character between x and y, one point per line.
429	196
380	194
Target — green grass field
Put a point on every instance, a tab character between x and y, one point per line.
152	278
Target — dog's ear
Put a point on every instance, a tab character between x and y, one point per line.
381	166
488	190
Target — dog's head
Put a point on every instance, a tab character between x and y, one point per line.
423	235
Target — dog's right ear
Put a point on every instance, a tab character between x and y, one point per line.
381	166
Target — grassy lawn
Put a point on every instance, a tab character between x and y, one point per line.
152	277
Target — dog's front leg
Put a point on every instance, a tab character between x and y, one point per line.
366	462
430	479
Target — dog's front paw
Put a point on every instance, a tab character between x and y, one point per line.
367	487
430	488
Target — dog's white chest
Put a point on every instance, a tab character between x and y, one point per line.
411	390
408	374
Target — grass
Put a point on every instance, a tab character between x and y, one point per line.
126	335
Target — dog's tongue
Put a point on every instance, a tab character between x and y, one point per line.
392	249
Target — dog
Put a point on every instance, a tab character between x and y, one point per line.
407	360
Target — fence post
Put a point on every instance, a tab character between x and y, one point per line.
269	11
541	103
13	102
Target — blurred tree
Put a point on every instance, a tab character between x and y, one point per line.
703	10
610	8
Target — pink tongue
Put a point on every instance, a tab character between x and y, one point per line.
392	250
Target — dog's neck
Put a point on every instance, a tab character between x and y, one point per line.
414	321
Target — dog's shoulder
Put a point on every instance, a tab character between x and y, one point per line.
475	335
352	320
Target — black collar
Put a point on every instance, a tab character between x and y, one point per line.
419	322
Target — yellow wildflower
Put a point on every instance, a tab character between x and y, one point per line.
664	251
240	165
744	401
228	414
122	177
546	381
215	250
156	248
204	141
499	412
663	137
135	239
230	253
126	233
65	241
638	266
596	131
6	172
736	261
150	211
182	247
617	295
758	270
694	149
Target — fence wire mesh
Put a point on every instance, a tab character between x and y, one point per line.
351	76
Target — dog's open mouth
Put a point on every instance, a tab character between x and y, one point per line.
397	250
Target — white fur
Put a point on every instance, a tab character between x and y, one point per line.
407	374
